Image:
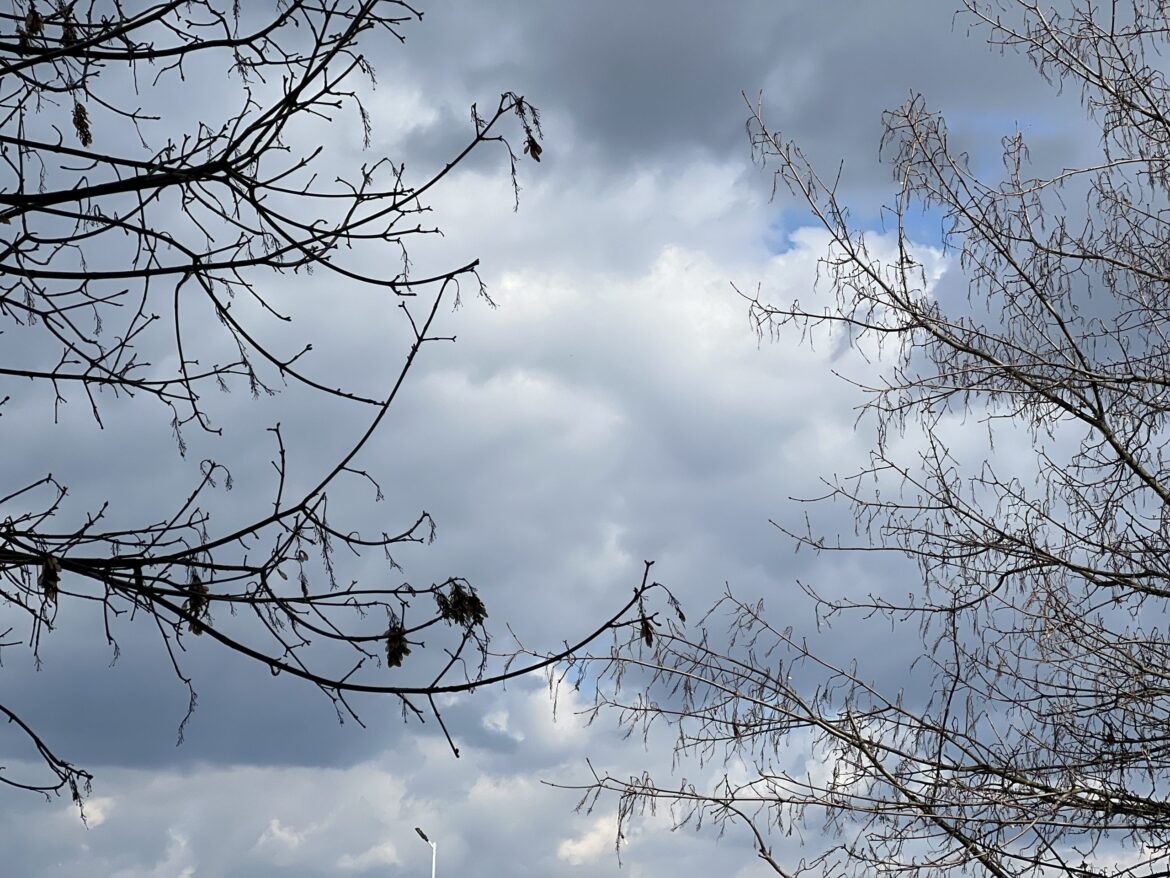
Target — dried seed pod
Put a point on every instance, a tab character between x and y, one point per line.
647	632
196	605
397	647
81	124
461	606
50	579
34	22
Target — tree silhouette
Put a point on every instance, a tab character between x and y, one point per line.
175	179
1030	736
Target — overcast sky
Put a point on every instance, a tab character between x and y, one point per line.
616	407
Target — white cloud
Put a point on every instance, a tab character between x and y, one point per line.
384	854
279	835
97	811
397	111
499	721
592	421
500	794
178	862
597	839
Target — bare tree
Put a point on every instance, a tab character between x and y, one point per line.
159	207
1032	734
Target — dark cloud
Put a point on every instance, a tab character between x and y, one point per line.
635	85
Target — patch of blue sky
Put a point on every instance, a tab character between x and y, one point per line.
1056	138
924	226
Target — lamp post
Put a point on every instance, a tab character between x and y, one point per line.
434	849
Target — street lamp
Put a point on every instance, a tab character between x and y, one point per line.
434	849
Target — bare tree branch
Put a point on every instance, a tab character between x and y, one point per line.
144	231
1030	737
